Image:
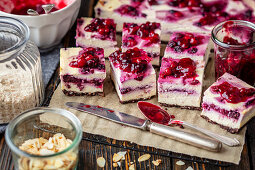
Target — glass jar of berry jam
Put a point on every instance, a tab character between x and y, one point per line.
234	49
21	86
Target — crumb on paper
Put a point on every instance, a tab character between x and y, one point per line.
180	163
101	162
157	162
189	168
144	157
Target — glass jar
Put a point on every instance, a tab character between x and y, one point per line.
21	85
234	49
36	123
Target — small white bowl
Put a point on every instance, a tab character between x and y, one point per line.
47	30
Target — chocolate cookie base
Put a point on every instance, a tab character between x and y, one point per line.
136	100
229	129
182	107
73	93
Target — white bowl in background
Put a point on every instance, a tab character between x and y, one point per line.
47	30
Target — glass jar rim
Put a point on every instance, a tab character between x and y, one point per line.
22	27
70	116
233	47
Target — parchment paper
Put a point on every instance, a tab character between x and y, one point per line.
95	125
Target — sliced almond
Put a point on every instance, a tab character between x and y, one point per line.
123	153
144	157
157	162
117	157
189	168
101	162
131	167
115	165
180	163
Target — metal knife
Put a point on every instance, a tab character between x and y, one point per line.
166	131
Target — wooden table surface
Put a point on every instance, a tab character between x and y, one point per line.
94	146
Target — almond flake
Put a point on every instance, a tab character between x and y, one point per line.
144	157
180	163
117	157
122	154
157	162
189	168
101	162
131	167
115	165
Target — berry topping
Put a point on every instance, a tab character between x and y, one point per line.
132	61
88	59
185	68
184	41
231	41
130	10
233	94
184	3
144	31
177	14
105	27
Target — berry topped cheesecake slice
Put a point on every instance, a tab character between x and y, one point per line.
133	75
180	83
145	36
121	11
191	45
82	71
175	15
229	102
96	32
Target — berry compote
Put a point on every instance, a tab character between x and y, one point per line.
20	7
233	94
88	60
106	28
146	31
235	50
132	61
185	41
185	68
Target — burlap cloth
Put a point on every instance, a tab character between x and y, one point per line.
93	124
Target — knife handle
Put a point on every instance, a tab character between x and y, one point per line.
185	137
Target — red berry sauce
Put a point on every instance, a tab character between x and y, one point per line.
88	60
185	68
21	6
185	41
232	94
132	61
144	31
130	10
105	27
153	113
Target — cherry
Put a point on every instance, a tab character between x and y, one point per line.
105	27
129	10
133	60
233	94
87	59
185	68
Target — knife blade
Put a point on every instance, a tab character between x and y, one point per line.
129	120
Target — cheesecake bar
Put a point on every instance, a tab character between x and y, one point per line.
133	75
188	45
175	15
145	36
82	71
180	83
96	32
229	102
